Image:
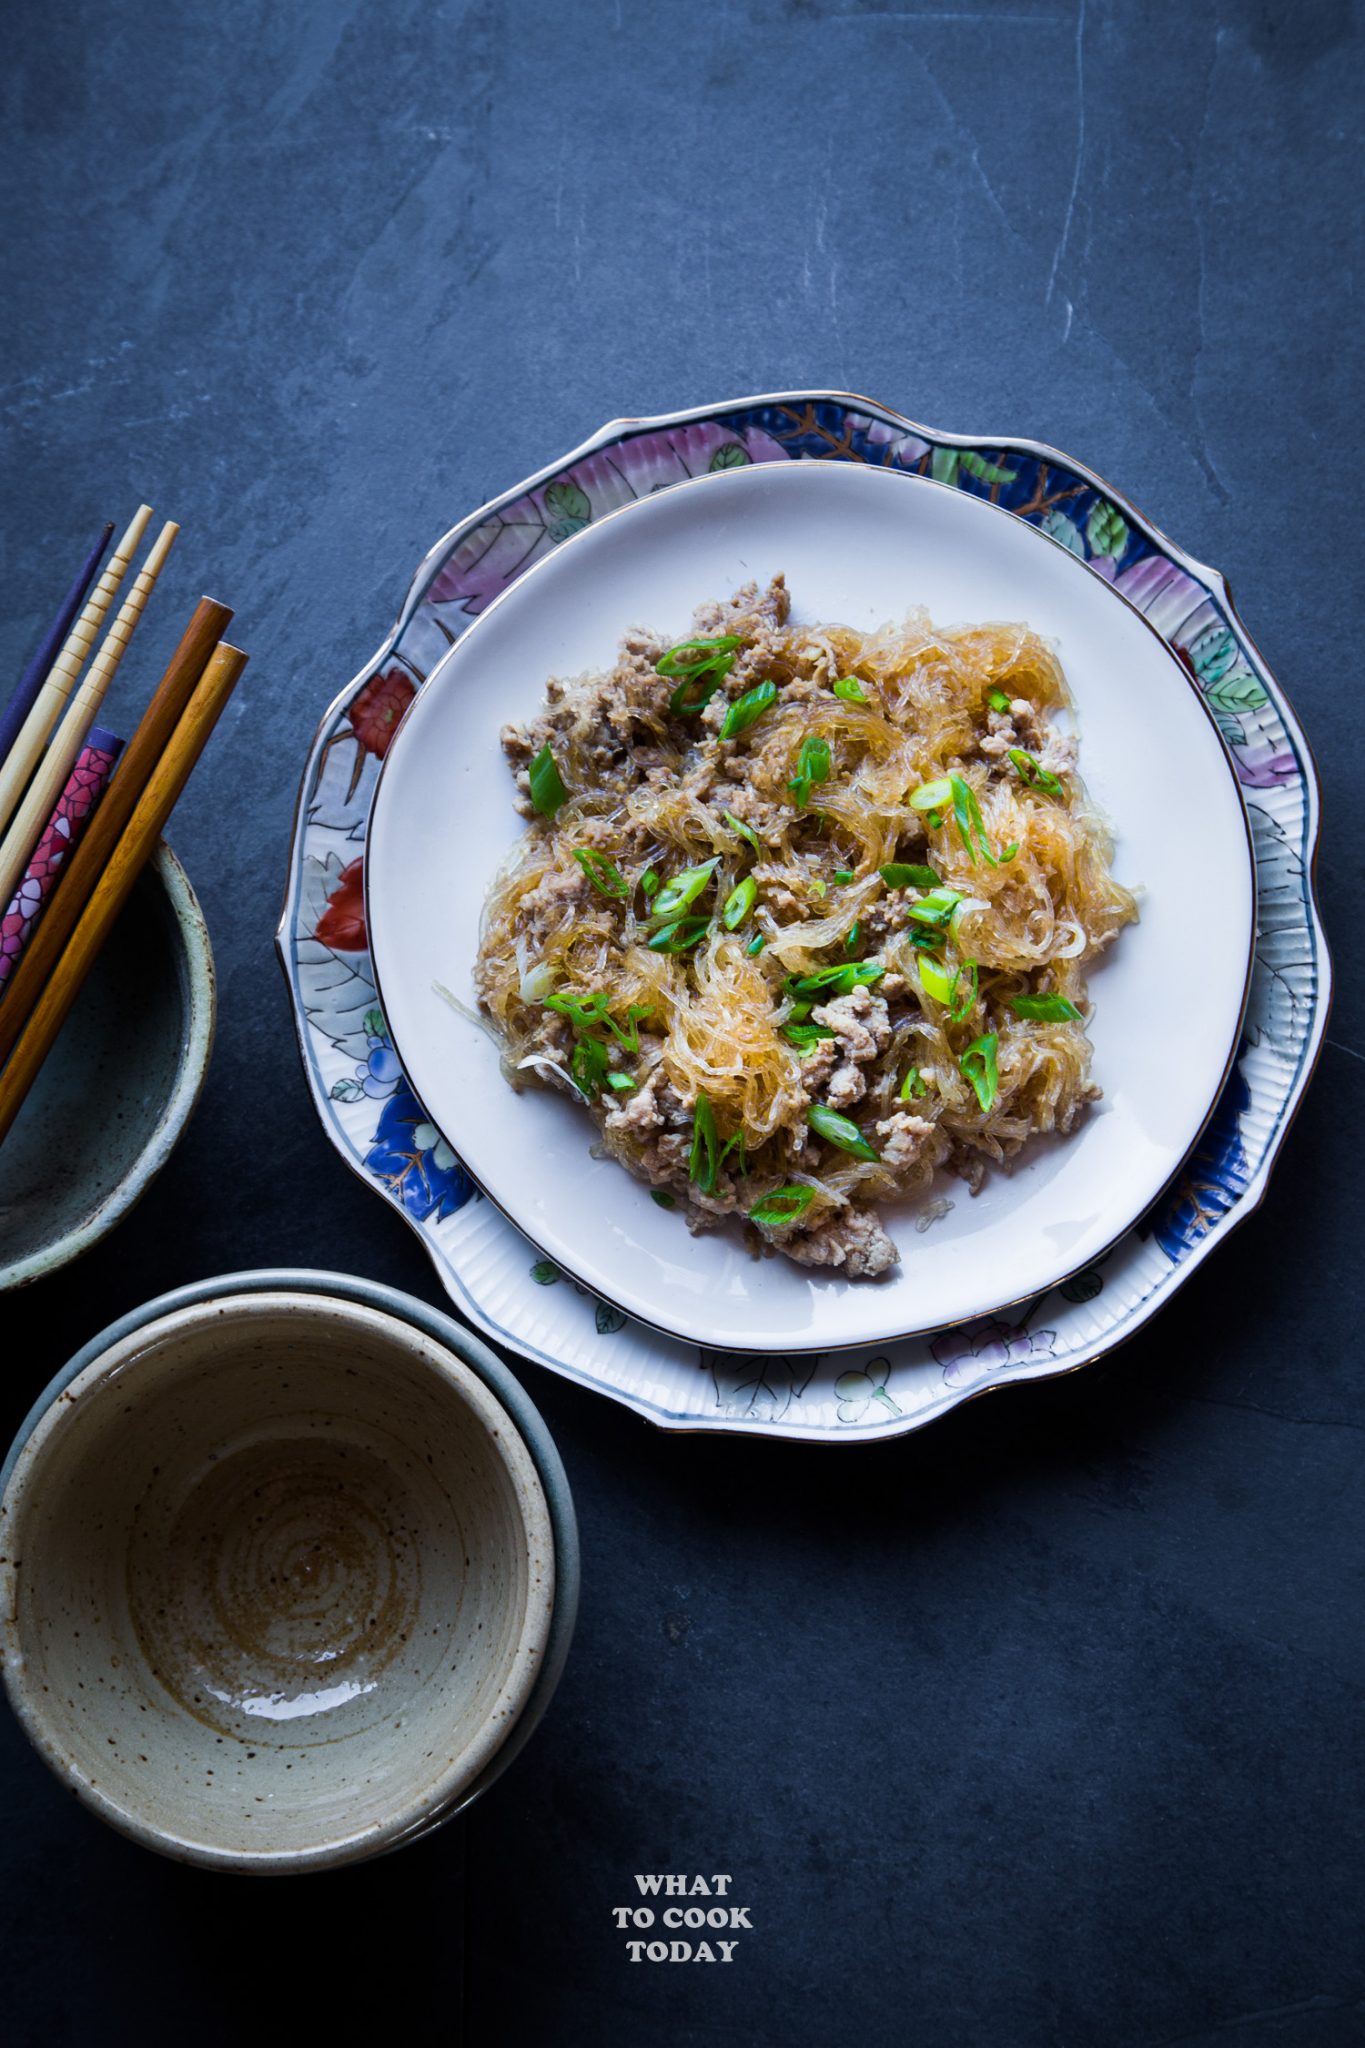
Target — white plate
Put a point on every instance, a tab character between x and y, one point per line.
858	545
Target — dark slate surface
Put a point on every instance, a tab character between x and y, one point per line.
1038	1728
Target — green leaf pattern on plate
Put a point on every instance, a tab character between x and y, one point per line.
568	509
1106	530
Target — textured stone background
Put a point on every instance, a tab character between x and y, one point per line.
1038	1728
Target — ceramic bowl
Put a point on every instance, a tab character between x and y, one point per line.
859	545
281	1574
119	1086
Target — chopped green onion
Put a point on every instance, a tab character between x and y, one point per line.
690	655
755	945
630	1037
806	1035
926	938
604	874
852	939
782	1206
663	1198
935	819
997	700
1044	1009
588	1066
591	1010
839	1130
936	981
622	1083
904	874
703	666
812	766
818	888
704	1162
680	936
930	795
683	890
739	903
649	882
547	790
746	832
835	981
971	826
1034	777
708	1154
913	1085
851	690
800	1011
978	1065
747	709
843	876
962	1008
936	908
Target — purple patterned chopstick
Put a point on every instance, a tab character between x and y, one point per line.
62	833
35	675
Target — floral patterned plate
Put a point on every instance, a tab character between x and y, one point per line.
494	1275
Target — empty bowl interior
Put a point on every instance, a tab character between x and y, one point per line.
118	1085
283	1571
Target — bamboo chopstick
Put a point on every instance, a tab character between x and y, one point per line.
207	625
56	764
50	646
22	758
125	863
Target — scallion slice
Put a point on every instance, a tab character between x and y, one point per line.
839	1130
1031	775
624	1084
746	832
851	690
806	1035
997	700
604	874
663	1198
907	874
782	1206
962	1005
930	795
746	710
630	1037
971	827
851	941
936	981
739	903
978	1064
704	1163
1045	1009
835	981
649	882
936	908
547	789
590	1010
812	766
588	1066
680	936
755	945
683	890
703	666
913	1086
843	876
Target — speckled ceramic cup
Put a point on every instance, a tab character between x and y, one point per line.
278	1576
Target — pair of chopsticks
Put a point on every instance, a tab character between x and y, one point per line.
124	829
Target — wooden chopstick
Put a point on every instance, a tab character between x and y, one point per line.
56	764
207	625
134	845
24	755
50	646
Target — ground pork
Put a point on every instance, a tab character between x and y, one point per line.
852	1239
862	1032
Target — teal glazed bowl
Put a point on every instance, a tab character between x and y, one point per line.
118	1087
288	1572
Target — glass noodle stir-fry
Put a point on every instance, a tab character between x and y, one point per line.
803	915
